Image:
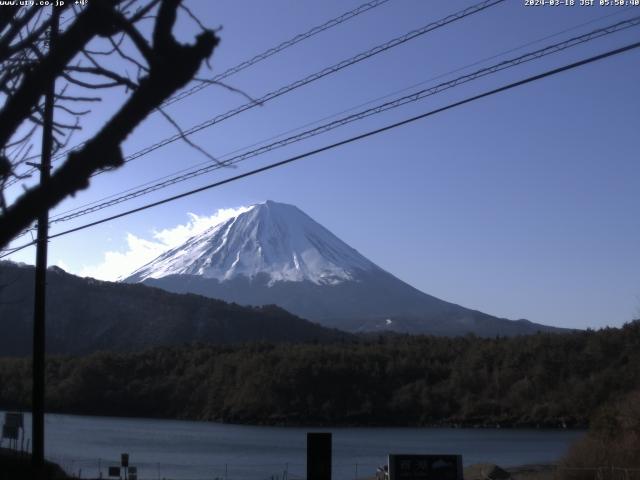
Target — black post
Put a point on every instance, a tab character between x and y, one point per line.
318	456
37	421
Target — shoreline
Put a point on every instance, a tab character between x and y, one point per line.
552	426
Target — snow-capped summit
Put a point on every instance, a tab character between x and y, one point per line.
270	238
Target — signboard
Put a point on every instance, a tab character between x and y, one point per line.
14	420
114	472
10	432
124	459
425	467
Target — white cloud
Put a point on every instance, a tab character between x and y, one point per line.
61	263
196	225
140	251
115	264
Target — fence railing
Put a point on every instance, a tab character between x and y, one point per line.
98	469
95	469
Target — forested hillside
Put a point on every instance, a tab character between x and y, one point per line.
545	379
86	315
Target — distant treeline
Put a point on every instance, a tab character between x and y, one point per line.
545	380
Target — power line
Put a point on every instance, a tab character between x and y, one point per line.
365	7
315	76
362	136
478	7
413	97
299	128
272	51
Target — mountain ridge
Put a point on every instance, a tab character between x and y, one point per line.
86	315
273	253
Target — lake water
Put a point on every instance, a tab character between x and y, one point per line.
200	450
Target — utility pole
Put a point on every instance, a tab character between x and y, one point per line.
39	307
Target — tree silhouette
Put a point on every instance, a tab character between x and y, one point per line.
95	48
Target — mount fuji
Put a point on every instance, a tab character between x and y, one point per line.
273	253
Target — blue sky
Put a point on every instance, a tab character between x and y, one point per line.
522	205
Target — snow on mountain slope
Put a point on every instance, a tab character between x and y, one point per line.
273	253
270	238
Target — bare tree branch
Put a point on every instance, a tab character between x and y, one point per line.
169	67
186	139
